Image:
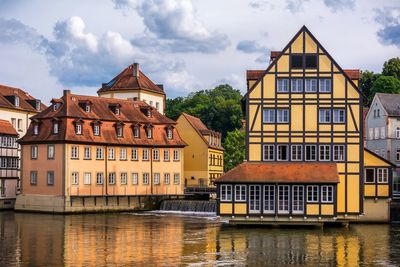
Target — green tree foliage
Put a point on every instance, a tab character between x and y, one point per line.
235	149
386	84
367	79
219	109
392	68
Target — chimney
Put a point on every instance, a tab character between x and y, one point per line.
135	70
67	92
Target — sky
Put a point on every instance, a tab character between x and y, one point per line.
47	46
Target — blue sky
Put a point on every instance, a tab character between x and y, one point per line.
47	46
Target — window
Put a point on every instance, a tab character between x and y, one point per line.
324	153
377	133
35	129
268	116
166	155
145	178
157	105
240	193
74	152
33	178
383	132
269	198
134	154
55	128
111	178
283	116
166	178
398	155
124	178
311	152
99	153
111	153
297	152
298	199
149	132
311	61
169	133
135	178
145	155
96	130
312	193
269	152
87	178
156	154
16	101
122	154
34	152
20	124
254	198
327	194
371	133
99	178
50	178
297	85
338	152
283	85
311	85
226	193
37	105
177	178
296	61
50	151
324	116
78	128
151	103
283	152
382	175
117	111
14	122
156	178
136	131
75	178
176	155
398	132
325	85
120	131
369	175
87	152
283	199
338	115
87	108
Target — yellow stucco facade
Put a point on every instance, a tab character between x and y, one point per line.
203	162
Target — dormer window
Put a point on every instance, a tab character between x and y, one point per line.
149	132
148	113
16	101
36	129
169	133
87	108
115	108
37	105
55	128
96	129
78	128
119	127
136	131
56	106
117	112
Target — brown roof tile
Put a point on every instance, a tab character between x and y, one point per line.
282	172
353	74
254	74
275	54
7	128
131	78
26	101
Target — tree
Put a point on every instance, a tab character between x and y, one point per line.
392	68
366	81
386	84
219	108
235	149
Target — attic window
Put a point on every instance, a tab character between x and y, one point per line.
87	108
169	133
149	132
55	128
37	104
136	131
311	61
16	101
36	129
56	106
96	129
296	61
78	128
120	130
148	113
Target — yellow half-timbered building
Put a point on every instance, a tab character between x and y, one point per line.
304	141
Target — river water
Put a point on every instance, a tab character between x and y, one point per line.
169	240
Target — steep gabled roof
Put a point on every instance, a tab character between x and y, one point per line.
279	55
391	103
131	78
7	128
379	157
25	100
282	172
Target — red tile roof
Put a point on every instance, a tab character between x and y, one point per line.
131	113
254	74
26	101
7	128
275	54
131	78
353	74
282	172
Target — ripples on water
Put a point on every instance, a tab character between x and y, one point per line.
174	240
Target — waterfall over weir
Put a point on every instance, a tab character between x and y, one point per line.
189	205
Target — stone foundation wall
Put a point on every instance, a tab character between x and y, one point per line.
376	210
7	204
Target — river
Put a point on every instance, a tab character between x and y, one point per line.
149	239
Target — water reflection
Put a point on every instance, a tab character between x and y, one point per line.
126	239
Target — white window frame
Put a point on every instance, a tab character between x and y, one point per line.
50	178
74	152
267	152
145	154
177	178
314	156
240	193
87	152
149	132
99	178
371	133
166	155
167	178
296	85
268	198
296	153
255	198
123	178
383	175
339	115
298	199
99	152
156	178
327	194
285	199
282	85
324	115
135	154
383	132
34	152
123	154
135	178
51	151
339	150
156	154
312	193
55	128
282	115
169	133
78	128
324	152
136	131
325	85
35	129
311	85
146	178
75	178
33	178
111	153
111	178
268	115
279	154
376	133
176	155
96	130
120	131
226	192
87	178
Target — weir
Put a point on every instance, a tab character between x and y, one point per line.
189	205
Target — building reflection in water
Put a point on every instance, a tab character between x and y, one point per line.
125	239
